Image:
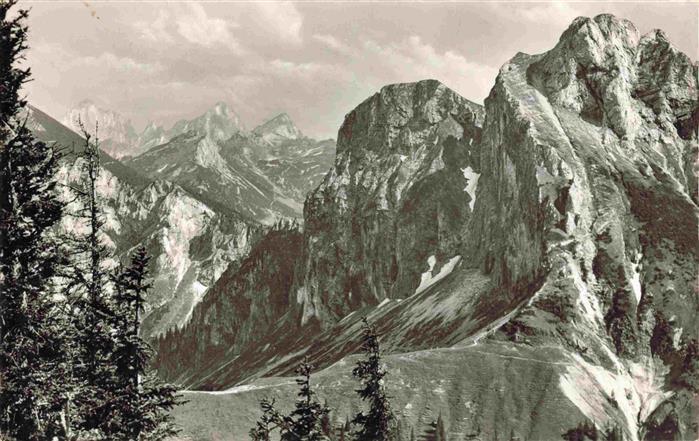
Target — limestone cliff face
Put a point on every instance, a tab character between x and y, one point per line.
585	195
395	196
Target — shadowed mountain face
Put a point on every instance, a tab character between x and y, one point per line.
529	265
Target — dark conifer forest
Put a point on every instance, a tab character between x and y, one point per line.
72	363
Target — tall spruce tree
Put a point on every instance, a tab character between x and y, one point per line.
140	409
376	424
93	315
31	346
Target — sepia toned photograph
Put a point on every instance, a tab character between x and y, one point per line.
322	220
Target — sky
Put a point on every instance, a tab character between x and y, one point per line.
162	61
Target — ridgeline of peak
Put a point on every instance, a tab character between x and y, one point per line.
218	123
278	129
213	157
117	135
376	122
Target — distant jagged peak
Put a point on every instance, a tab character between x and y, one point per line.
111	123
219	123
220	108
278	129
116	134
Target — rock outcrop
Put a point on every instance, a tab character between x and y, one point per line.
396	196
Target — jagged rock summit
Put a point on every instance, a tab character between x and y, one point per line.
218	123
213	157
117	135
278	129
557	233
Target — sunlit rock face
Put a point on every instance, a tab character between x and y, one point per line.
278	129
587	195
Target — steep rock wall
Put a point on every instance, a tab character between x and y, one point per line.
395	196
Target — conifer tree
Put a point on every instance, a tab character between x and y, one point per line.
325	425
304	422
93	313
267	423
614	433
31	347
377	423
140	409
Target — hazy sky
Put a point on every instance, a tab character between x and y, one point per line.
163	61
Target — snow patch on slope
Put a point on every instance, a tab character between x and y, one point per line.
471	184
427	280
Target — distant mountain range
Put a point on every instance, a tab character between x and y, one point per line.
262	175
197	195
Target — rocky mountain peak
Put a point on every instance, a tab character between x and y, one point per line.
278	129
116	133
601	65
396	152
391	118
217	123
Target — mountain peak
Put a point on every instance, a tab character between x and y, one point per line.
277	129
374	123
284	117
220	108
116	133
218	123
